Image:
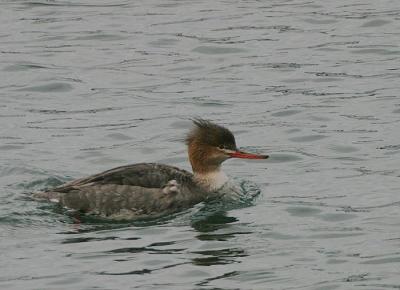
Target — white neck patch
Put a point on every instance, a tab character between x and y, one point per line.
213	180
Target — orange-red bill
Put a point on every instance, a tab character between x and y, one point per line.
241	154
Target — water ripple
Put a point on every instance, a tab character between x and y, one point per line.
87	86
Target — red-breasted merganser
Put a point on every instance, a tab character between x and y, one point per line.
151	189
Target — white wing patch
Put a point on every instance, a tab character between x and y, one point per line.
172	187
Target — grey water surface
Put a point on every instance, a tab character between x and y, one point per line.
89	85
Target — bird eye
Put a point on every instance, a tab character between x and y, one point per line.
222	147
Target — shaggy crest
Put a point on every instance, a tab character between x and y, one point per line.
205	132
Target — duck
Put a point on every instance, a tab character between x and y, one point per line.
144	190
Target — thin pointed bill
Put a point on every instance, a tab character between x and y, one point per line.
245	155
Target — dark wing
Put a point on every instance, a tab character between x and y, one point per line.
148	175
132	191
